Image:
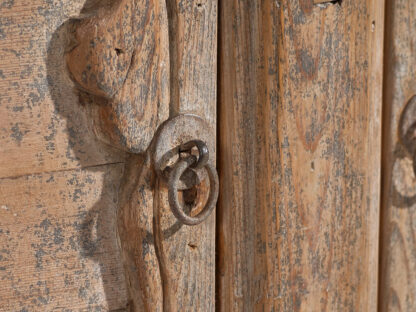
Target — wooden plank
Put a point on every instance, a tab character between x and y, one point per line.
119	60
193	54
300	139
43	127
58	247
169	267
398	239
187	253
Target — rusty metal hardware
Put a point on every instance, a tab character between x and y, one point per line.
181	157
174	177
203	151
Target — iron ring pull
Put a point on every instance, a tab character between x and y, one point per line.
174	176
202	151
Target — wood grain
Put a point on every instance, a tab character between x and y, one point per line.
300	139
118	55
43	127
171	268
119	59
187	254
136	235
193	55
58	248
398	239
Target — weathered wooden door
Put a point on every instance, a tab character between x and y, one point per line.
97	98
74	74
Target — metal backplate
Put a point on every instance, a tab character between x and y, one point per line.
175	132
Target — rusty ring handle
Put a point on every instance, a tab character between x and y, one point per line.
202	150
174	176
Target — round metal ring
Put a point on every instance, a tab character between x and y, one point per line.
202	150
174	204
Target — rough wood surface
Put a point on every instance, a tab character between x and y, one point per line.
57	228
300	139
398	231
58	248
118	55
42	127
187	253
193	56
136	224
169	267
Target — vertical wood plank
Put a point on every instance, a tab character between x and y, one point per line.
187	253
193	48
300	139
119	60
193	55
398	239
